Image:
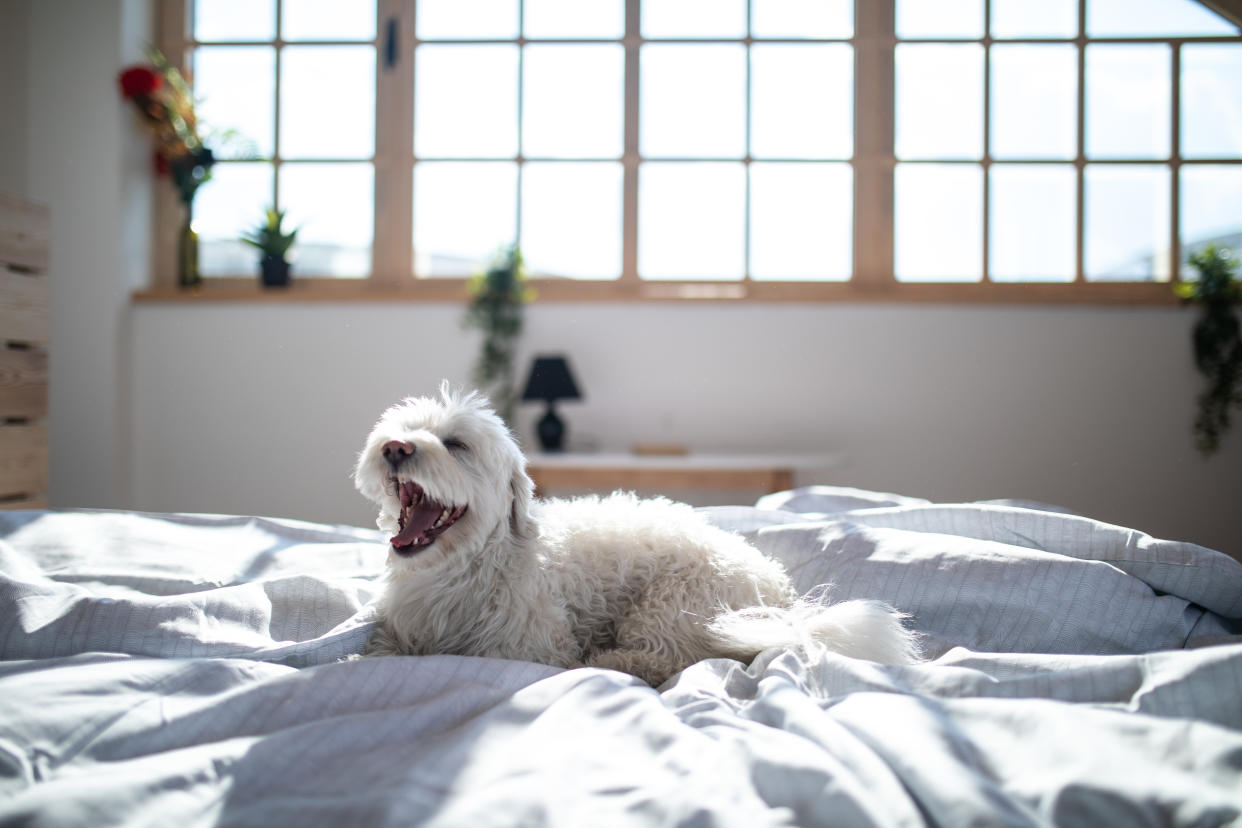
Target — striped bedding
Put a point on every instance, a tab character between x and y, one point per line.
195	670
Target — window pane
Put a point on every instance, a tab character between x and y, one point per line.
1156	18
571	220
1034	102
801	221
802	18
1033	222
691	221
227	206
333	207
236	89
574	101
327	102
1211	208
235	20
465	101
1127	223
469	19
802	101
693	101
694	18
1212	101
574	18
327	19
938	222
940	18
1128	100
463	214
1022	18
939	102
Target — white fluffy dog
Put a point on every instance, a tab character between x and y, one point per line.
477	566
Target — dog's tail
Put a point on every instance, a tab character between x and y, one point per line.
864	629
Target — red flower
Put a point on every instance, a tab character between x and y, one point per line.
164	104
139	81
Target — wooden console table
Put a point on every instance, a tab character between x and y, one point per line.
604	472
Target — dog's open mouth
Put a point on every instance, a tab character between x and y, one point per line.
422	519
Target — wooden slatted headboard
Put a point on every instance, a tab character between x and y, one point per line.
24	236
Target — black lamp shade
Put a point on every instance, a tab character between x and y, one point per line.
550	379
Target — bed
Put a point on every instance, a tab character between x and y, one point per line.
198	669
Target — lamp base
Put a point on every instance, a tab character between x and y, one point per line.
551	431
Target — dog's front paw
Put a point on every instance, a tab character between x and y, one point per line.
382	643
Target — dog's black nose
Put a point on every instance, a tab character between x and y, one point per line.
397	450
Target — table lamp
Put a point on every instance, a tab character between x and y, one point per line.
550	379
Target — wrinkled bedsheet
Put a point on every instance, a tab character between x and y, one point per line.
194	670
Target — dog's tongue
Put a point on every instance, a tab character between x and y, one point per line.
418	520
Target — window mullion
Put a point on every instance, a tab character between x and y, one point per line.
172	39
630	158
1175	166
986	162
1080	155
748	194
278	46
874	160
392	252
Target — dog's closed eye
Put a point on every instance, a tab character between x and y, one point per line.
455	445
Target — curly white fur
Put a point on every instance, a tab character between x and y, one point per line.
643	586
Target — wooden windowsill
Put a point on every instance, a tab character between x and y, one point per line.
315	290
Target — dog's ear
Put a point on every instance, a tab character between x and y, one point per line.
522	492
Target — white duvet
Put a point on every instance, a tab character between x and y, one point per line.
187	670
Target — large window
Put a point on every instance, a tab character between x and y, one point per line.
295	84
1057	142
723	148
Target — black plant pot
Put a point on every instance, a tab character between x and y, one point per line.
274	271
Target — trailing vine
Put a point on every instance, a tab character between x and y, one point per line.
497	297
1217	343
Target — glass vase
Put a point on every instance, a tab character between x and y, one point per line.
188	275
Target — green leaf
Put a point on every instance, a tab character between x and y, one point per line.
1217	344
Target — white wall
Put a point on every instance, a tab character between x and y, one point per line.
260	409
84	158
245	409
14	24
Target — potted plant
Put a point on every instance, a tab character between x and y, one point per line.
1217	342
274	242
497	297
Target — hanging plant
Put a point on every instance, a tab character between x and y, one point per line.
1217	343
497	297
